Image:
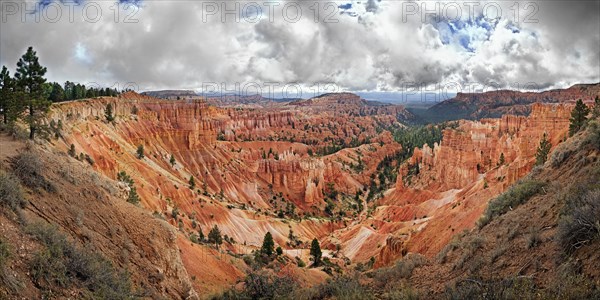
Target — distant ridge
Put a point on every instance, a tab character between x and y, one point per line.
171	94
494	104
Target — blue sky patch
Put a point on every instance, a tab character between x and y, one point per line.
345	6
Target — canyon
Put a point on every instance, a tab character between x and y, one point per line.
279	168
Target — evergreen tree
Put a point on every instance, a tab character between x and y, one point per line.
7	97
501	161
140	151
72	151
68	88
30	80
133	197
578	117
542	152
279	251
596	111
200	234
315	252
192	182
214	236
108	113
57	94
268	245
172	160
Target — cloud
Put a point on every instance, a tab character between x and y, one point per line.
371	46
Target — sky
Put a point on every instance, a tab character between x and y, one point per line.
308	47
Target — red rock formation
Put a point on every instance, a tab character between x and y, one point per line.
460	175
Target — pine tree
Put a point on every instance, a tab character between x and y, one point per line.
279	251
140	151
578	117
108	113
315	252
133	197
10	111
192	183
542	152
30	80
72	151
172	160
57	94
214	236
200	234
268	245
501	160
596	111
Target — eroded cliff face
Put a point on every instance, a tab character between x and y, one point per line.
457	178
249	166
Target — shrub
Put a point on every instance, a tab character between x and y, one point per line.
342	287
60	264
499	251
4	254
510	288
581	223
72	152
262	285
402	269
28	167
401	293
559	156
10	283
300	262
533	238
469	246
594	136
140	152
89	160
11	194
515	196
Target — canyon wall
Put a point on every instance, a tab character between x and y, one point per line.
461	174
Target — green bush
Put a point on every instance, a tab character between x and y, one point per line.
262	285
11	194
515	196
594	136
300	262
342	287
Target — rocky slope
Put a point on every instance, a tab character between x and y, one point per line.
90	209
532	250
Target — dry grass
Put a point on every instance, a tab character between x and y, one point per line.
11	194
581	223
29	167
